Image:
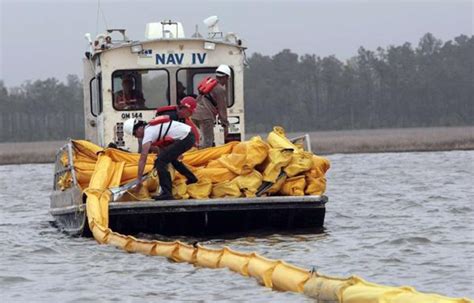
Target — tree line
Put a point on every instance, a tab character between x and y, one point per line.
399	86
394	87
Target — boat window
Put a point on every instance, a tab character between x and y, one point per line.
140	89
191	77
95	94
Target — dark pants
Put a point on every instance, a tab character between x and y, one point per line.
170	154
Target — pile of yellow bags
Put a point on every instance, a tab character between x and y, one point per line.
236	169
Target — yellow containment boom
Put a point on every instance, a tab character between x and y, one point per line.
112	168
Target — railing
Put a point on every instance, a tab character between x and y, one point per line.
303	139
59	169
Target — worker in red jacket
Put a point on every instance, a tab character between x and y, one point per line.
181	113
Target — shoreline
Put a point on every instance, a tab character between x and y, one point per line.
322	142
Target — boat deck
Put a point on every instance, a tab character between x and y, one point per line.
197	217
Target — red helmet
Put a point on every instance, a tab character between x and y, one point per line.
189	102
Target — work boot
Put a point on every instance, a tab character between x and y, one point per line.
163	197
191	180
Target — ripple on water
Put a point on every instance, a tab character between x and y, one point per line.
378	226
9	280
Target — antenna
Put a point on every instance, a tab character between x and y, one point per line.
196	33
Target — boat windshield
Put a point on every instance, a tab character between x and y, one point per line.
191	77
140	89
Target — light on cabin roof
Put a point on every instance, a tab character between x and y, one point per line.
209	45
136	48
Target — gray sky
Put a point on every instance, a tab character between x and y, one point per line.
41	39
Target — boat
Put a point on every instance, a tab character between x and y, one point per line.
163	66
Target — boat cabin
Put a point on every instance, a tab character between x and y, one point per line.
126	79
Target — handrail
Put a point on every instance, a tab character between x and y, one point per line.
58	167
306	138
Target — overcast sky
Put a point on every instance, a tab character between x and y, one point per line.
41	39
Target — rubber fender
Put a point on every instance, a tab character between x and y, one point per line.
235	261
262	269
286	277
207	257
184	253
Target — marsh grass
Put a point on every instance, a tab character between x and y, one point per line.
323	143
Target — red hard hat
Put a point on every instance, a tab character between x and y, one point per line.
189	102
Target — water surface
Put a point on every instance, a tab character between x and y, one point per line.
393	219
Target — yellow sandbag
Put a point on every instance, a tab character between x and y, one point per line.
179	189
286	277
84	166
207	257
261	269
89	149
184	253
277	159
294	186
118	155
249	183
152	182
200	190
99	232
117	176
130	172
363	291
277	139
255	149
319	167
235	261
202	156
236	163
326	289
117	240
277	185
136	194
164	249
226	189
300	162
141	246
65	181
215	175
315	186
97	193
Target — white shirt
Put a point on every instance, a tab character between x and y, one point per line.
177	131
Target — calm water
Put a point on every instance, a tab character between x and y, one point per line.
394	219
